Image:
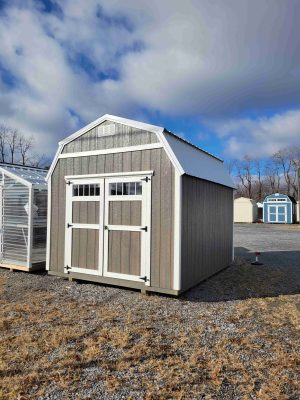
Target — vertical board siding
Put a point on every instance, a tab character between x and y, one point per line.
207	229
125	213
128	259
124	136
162	225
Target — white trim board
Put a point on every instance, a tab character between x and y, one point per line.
110	175
114	150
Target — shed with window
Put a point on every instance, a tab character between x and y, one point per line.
279	209
23	217
132	204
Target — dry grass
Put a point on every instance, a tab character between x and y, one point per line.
250	351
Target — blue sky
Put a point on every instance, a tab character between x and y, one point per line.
223	74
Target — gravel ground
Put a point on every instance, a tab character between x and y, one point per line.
235	336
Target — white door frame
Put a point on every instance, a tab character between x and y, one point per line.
68	229
276	213
145	198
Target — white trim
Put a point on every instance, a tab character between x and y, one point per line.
177	231
16	177
112	150
85	226
69	219
127	228
112	118
145	236
54	162
30	227
170	152
48	227
110	175
125	197
85	271
232	225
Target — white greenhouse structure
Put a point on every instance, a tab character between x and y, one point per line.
23	217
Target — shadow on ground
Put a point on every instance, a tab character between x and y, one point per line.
280	275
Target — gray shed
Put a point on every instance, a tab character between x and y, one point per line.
133	205
23	217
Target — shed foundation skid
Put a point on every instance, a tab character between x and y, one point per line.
118	209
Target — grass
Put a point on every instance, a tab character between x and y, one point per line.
239	349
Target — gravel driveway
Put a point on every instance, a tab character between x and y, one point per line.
234	336
279	244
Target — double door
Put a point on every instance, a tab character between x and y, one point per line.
277	213
108	227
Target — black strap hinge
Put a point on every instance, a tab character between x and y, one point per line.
67	268
143	278
145	229
69	225
146	179
69	183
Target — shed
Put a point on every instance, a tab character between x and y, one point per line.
245	210
279	209
133	205
23	217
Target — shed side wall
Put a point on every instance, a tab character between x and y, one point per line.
162	229
207	229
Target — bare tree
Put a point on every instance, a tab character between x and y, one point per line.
24	146
12	140
245	175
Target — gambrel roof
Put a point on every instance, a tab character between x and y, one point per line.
186	157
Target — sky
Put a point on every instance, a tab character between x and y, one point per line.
225	75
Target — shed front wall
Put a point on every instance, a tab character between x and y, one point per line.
207	229
162	229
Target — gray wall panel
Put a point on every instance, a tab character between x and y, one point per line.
124	136
162	248
207	229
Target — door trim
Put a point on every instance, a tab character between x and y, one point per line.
146	221
276	213
99	226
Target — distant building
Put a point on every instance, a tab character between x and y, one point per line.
279	209
245	210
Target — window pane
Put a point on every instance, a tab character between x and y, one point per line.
97	189
80	190
86	190
75	190
119	189
112	189
132	188
92	190
138	187
125	188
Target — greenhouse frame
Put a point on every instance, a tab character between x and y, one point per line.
23	217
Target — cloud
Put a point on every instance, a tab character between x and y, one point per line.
259	137
66	63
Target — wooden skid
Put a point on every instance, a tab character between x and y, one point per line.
13	267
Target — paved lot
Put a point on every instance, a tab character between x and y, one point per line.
279	244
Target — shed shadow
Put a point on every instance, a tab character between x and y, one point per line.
279	275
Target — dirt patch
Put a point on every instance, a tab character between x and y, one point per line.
62	340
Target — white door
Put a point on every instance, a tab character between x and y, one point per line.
127	228
84	226
277	213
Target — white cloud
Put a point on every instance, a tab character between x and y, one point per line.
259	137
191	58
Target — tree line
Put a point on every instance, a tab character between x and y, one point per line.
16	148
256	178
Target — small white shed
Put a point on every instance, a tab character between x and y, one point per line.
245	210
